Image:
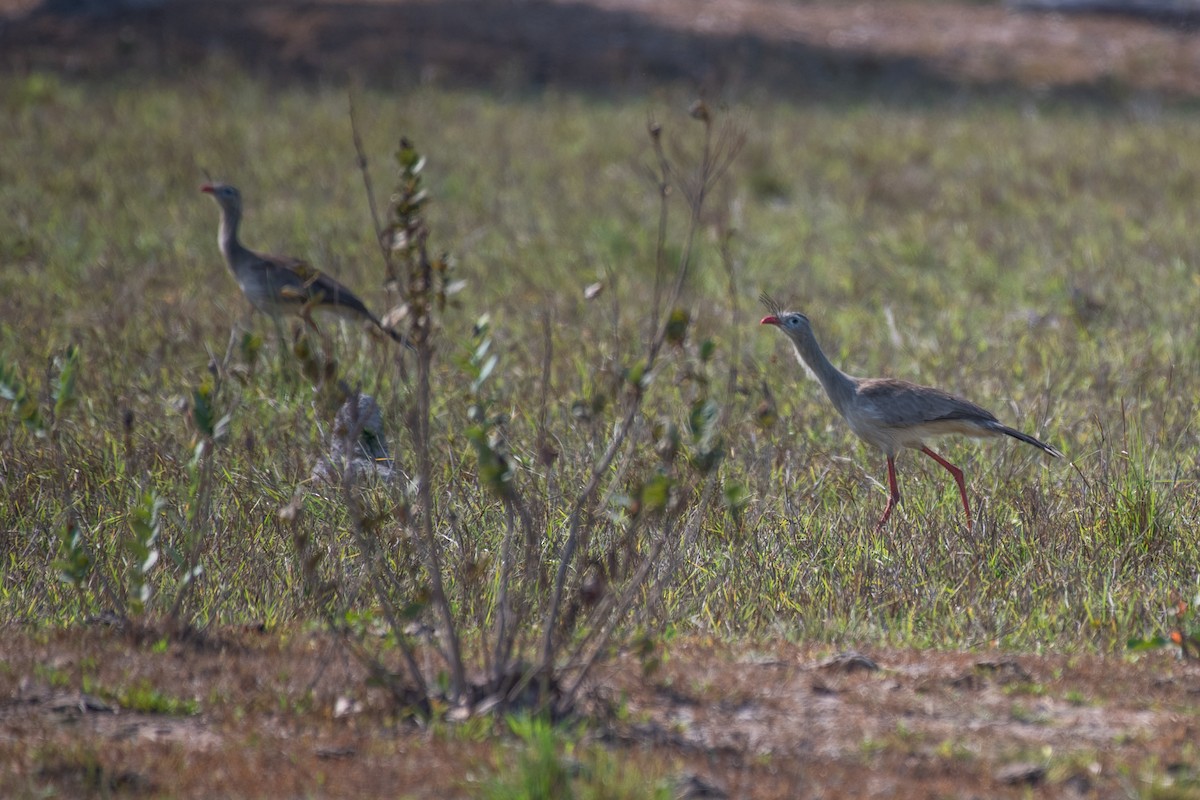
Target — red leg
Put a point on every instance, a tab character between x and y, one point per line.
958	477
893	497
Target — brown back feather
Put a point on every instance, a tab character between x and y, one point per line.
901	403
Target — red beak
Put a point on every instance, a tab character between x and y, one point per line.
208	187
770	319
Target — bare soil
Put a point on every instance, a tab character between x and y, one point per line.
795	49
288	714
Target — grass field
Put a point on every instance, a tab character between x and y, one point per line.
1037	256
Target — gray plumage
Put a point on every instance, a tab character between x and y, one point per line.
893	414
358	442
275	285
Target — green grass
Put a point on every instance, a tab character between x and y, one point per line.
1040	259
555	763
143	697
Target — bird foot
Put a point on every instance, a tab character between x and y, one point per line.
887	514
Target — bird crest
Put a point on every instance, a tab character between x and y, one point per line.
770	303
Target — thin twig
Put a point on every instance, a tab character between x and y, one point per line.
566	699
712	165
361	155
423	445
663	182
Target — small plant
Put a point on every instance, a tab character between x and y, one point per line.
211	429
74	563
62	375
123	573
76	559
575	566
144	697
1184	632
541	771
553	763
16	391
145	525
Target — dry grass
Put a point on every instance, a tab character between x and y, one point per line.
1032	252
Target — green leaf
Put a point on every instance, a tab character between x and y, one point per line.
202	408
74	563
485	371
413	609
250	346
411	162
141	531
145	522
146	519
710	456
175	554
481	350
30	415
677	326
11	385
14	389
736	496
64	393
221	429
637	375
493	468
656	492
700	421
1151	643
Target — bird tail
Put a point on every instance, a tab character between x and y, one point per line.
399	337
350	307
1025	437
395	335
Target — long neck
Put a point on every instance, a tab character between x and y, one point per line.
227	235
838	385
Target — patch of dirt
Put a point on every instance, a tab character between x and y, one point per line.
922	724
281	715
97	717
790	48
775	722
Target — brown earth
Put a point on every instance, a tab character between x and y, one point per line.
794	49
288	715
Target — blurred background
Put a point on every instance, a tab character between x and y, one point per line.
786	47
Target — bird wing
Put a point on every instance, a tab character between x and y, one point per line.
900	404
298	282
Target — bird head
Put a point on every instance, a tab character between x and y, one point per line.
228	197
793	323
